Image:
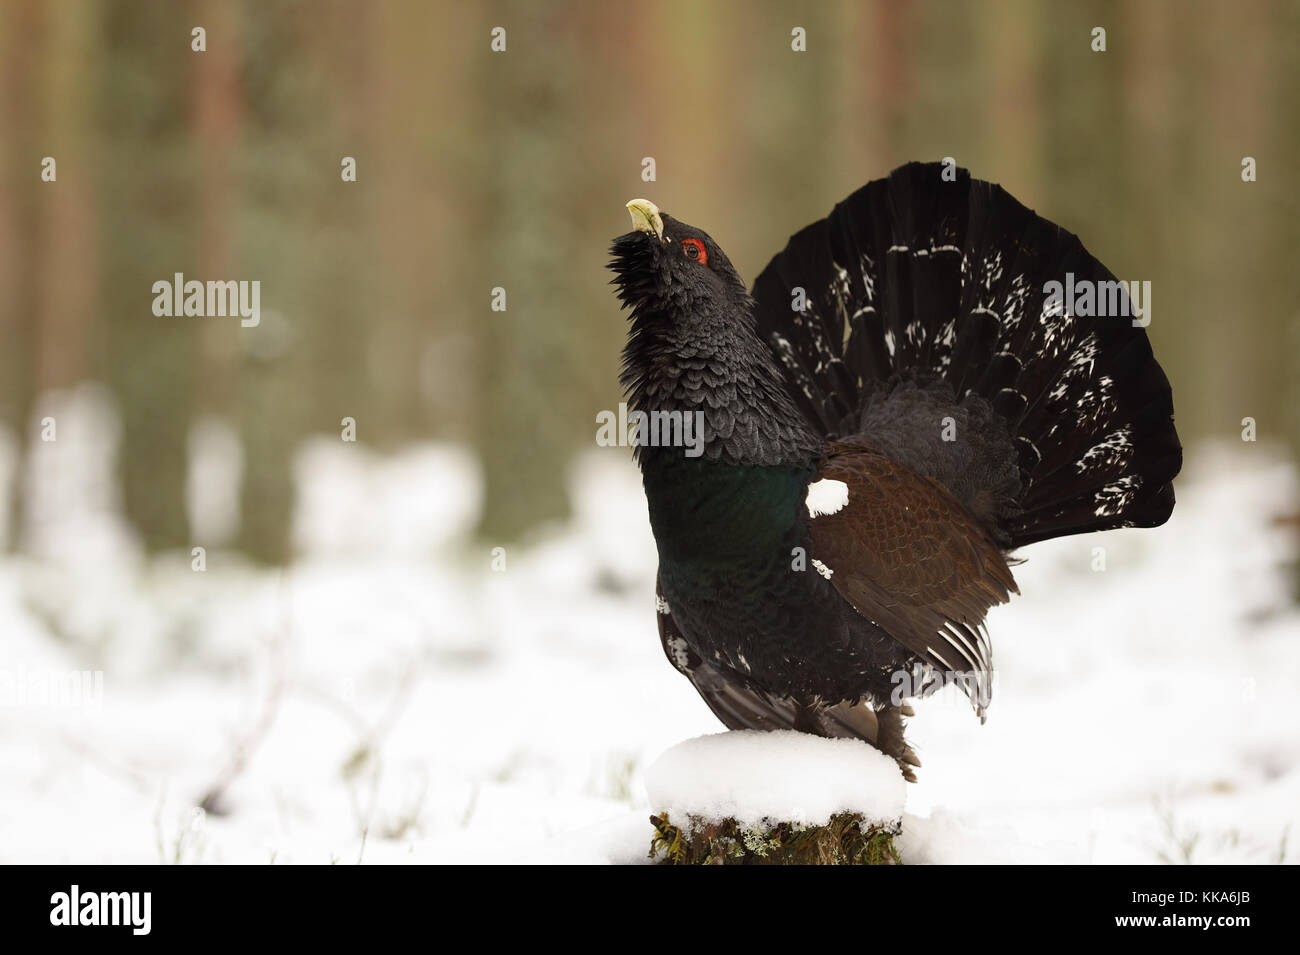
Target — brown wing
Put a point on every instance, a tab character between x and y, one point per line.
911	559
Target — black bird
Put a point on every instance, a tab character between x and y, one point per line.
900	402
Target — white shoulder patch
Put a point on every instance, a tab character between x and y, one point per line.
827	496
822	568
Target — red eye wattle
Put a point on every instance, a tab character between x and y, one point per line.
695	251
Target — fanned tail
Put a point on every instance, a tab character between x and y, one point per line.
915	280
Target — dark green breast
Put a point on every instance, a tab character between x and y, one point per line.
715	516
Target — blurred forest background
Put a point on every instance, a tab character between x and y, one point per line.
479	169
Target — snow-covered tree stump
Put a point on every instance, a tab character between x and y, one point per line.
781	798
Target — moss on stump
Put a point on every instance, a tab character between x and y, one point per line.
843	840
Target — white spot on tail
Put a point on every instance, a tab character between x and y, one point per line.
661	605
827	497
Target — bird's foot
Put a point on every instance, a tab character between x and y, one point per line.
890	741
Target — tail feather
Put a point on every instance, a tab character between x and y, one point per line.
919	278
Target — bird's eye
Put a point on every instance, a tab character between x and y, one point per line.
695	251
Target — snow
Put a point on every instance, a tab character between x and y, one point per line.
213	479
390	698
753	777
944	839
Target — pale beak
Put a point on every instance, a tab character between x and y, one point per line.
646	218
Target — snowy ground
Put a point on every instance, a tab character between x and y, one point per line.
392	699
